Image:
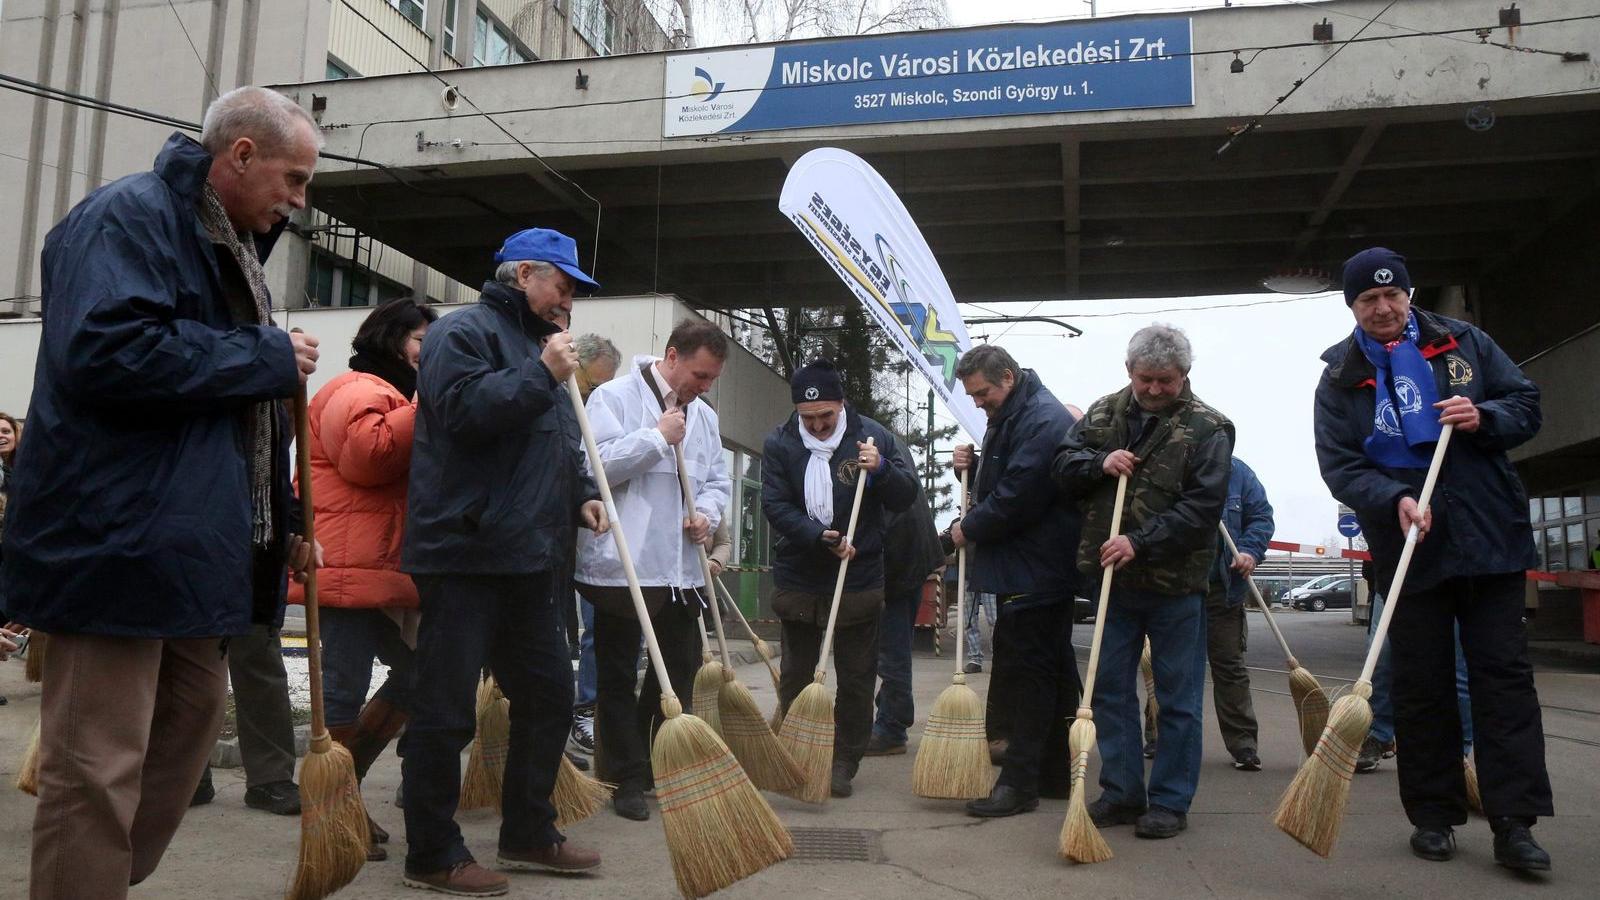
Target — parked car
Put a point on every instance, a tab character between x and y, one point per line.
1292	594
1335	595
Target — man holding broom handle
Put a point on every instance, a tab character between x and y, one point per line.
1387	392
494	477
1175	452
638	418
1019	528
808	481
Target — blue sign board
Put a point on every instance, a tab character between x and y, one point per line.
918	76
1348	526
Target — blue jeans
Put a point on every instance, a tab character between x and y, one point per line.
1177	630
975	601
588	681
510	624
896	710
1383	682
351	638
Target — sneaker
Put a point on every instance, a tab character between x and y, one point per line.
281	798
1371	752
205	792
1515	848
972	667
1159	822
1106	814
582	737
464	879
878	745
1247	761
1388	748
562	857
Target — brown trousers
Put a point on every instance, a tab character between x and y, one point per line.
126	727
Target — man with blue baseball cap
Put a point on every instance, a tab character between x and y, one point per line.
497	488
1387	391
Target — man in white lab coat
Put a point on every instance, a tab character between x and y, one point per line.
639	418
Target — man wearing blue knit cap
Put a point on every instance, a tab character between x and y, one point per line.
497	490
1385	395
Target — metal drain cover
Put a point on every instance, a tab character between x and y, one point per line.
836	844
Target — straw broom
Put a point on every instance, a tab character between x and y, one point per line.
762	649
577	796
1474	795
953	758
1152	708
749	737
333	824
1080	839
28	773
1312	809
1310	700
486	765
38	646
719	829
708	680
808	723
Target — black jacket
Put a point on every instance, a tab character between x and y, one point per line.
911	545
496	480
1480	511
130	507
801	562
1024	530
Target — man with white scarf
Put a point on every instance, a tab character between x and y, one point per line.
640	417
808	484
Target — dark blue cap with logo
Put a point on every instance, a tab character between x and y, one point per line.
1372	268
545	245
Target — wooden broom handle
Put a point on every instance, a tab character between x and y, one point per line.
844	566
669	699
1260	601
705	561
308	529
1393	598
961	586
1085	707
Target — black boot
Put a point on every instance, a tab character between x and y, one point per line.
1003	801
1515	848
1435	843
205	791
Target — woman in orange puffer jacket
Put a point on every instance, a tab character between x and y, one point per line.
361	430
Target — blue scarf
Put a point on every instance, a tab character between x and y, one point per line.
1405	425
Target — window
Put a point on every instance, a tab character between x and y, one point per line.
448	41
411	9
596	23
337	70
493	45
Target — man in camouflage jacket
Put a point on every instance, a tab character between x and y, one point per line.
1175	451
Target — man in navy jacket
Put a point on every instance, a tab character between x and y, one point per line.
1387	390
1248	517
150	514
808	483
1022	532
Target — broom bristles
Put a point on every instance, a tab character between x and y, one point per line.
1474	795
28	772
486	766
808	736
1080	839
753	742
38	646
719	829
707	688
1312	809
953	759
1311	704
334	838
577	796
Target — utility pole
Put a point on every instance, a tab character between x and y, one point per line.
928	475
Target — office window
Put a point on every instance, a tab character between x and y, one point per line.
414	10
337	70
448	42
492	45
596	22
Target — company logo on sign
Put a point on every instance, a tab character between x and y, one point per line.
936	344
1382	276
703	87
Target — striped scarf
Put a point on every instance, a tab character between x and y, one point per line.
260	420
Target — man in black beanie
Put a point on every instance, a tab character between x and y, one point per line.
808	484
1385	395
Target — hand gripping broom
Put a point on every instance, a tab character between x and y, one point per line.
1310	701
719	829
953	758
808	724
1312	809
333	824
747	734
1080	840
